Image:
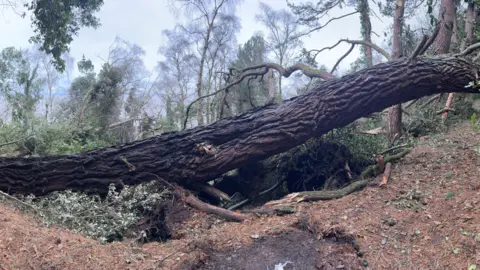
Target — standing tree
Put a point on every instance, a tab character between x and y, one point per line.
394	122
207	14
282	40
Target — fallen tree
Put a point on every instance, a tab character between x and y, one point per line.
203	153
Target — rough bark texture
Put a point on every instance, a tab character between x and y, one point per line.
444	39
394	127
469	26
202	153
446	18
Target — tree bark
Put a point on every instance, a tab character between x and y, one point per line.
444	39
203	153
394	122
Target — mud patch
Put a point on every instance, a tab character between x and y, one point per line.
300	249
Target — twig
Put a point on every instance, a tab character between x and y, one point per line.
235	206
430	100
16	141
394	148
341	58
445	110
18	201
271	188
322	26
356	42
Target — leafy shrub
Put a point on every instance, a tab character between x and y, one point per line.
107	219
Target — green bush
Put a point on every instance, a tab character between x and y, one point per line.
107	219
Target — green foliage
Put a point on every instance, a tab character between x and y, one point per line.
19	84
362	146
85	66
108	219
475	122
47	139
55	23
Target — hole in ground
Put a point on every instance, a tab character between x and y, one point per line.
300	248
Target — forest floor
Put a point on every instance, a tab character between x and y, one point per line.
426	217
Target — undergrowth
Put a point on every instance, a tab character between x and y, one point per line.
105	219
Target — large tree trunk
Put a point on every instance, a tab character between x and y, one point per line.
185	157
442	44
394	126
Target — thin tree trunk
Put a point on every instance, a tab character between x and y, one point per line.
271	88
394	126
366	25
442	44
203	153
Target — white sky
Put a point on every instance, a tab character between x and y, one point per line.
142	22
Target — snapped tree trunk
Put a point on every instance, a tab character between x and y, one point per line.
206	152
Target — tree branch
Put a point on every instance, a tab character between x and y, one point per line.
324	25
262	69
419	47
468	50
430	40
356	42
341	58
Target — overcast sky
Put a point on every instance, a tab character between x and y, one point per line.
142	22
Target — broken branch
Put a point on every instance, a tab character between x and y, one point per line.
386	174
207	208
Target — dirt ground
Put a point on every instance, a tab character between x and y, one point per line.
426	217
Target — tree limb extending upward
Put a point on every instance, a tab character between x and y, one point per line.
261	70
355	42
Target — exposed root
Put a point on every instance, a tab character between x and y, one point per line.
208	208
336	194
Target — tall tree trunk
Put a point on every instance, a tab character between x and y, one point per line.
203	153
446	17
442	44
394	122
366	28
469	26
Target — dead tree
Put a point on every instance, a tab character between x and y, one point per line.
200	154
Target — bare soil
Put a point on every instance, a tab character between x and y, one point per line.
426	217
